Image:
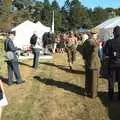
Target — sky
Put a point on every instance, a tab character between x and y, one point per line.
95	3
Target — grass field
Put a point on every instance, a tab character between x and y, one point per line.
53	92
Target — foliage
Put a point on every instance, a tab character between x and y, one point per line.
2	54
20	4
72	15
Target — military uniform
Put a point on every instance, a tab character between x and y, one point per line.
71	50
92	65
71	53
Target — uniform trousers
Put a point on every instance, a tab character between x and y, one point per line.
71	53
91	82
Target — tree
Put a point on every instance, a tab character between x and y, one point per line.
55	6
64	19
5	14
99	15
75	15
46	13
20	4
66	6
36	11
117	11
46	3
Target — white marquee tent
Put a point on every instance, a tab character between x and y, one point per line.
106	28
25	30
44	28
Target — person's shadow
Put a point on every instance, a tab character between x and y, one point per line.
113	106
64	85
64	68
24	64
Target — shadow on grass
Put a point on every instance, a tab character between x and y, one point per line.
21	63
113	106
61	67
65	85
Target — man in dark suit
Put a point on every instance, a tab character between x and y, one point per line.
12	64
112	50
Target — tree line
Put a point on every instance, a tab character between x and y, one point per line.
71	16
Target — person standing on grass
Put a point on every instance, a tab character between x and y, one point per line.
36	46
112	50
70	47
92	65
12	62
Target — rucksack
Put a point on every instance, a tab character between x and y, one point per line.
33	39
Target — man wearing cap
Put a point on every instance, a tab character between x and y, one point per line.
92	65
12	63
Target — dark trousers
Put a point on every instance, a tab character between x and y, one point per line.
71	53
36	58
114	75
13	68
91	82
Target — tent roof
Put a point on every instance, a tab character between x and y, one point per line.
40	25
25	30
26	24
110	23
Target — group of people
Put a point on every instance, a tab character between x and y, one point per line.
94	52
93	61
89	45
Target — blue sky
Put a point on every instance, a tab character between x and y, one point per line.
101	3
95	3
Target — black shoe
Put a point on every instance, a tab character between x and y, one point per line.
20	82
10	83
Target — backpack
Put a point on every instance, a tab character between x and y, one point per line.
33	39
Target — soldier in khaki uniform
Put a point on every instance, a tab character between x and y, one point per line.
71	48
92	65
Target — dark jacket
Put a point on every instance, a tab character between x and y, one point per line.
9	46
112	50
